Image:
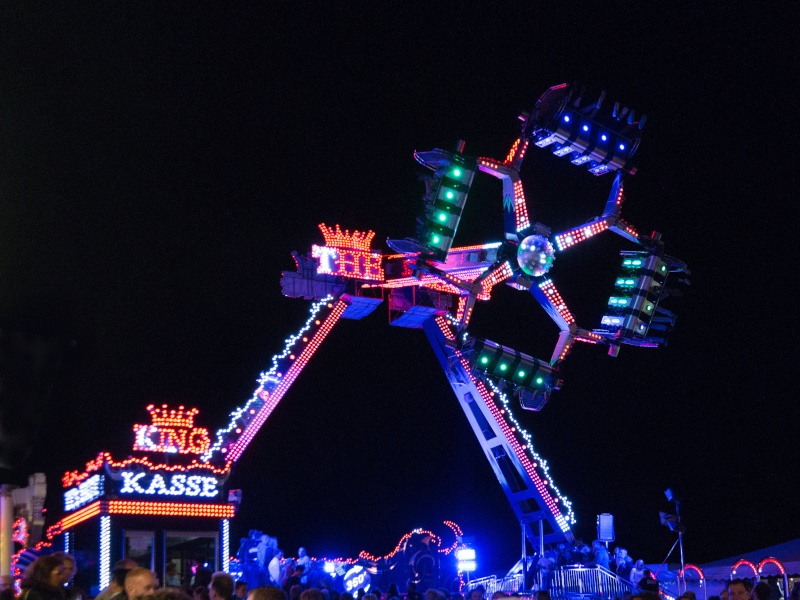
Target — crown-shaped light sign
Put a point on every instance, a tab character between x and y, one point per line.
171	430
347	254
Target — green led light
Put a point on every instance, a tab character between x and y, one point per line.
503	366
521	374
484	360
539	380
649	307
442	217
436	239
457	172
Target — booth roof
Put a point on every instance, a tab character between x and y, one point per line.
788	553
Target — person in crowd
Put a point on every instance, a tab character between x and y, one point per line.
411	591
202	575
295	591
312	594
432	594
499	594
648	582
637	572
200	592
444	593
274	568
392	593
646	596
117	584
739	589
476	593
761	591
169	593
547	565
139	582
370	596
41	578
240	590
304	560
296	578
221	586
542	595
600	558
623	565
171	576
6	587
70	569
266	593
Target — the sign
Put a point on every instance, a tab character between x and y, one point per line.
348	254
356	579
87	491
169	484
171	431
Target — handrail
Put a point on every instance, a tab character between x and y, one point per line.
571	581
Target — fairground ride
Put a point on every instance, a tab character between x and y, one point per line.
428	284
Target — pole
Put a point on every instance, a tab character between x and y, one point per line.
6	525
682	575
524	558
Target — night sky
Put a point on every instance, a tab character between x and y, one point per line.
158	164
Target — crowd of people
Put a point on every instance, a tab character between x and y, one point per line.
49	578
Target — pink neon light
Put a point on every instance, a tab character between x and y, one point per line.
696	569
87	512
549	288
498	276
286	382
771	560
742	563
520	208
580	234
72	477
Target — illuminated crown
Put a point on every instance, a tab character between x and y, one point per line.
344	239
164	417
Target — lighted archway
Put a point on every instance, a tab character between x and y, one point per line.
771	560
744	563
696	569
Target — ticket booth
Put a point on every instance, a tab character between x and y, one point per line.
162	506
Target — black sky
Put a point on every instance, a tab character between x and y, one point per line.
158	164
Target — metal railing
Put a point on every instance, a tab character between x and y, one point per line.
569	582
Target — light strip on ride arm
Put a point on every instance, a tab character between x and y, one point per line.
287	380
247	419
510	431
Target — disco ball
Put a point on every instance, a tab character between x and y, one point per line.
535	255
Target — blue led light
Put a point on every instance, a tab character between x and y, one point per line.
622	146
566	118
586	128
465	554
604	137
